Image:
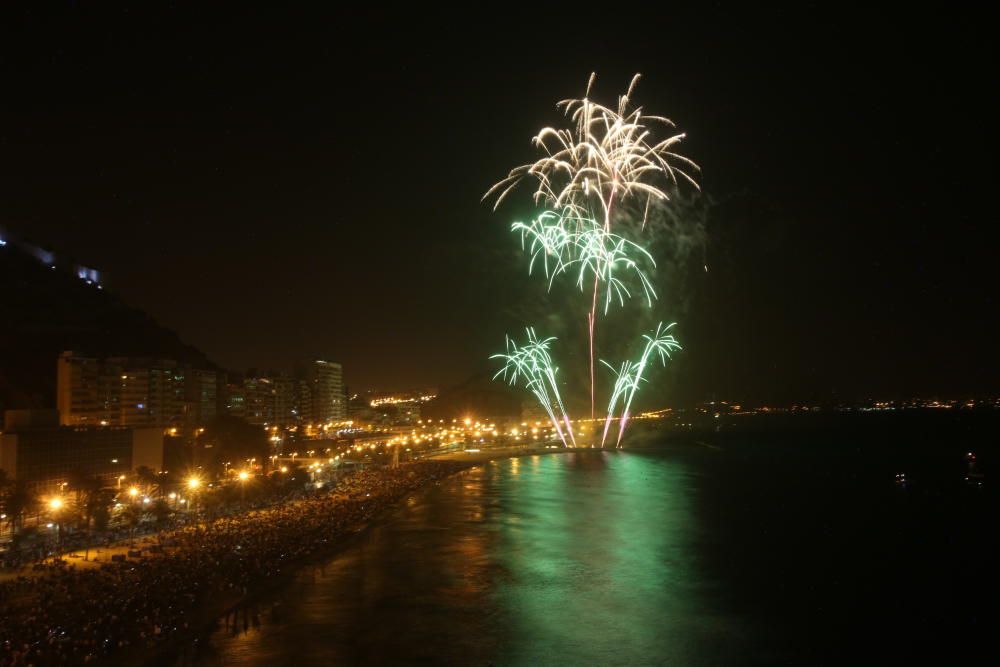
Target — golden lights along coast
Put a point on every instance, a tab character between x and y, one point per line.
139	596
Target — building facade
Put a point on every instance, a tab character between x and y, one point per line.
44	454
329	401
122	391
202	397
303	402
88	391
259	395
236	400
284	401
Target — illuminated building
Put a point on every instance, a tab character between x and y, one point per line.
121	391
236	400
284	401
327	384
264	399
88	392
152	395
258	397
202	396
303	408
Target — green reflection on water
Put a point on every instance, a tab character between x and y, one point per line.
571	559
596	560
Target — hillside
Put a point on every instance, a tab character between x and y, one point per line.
480	396
44	311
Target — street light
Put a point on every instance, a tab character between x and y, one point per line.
244	476
134	491
55	505
193	484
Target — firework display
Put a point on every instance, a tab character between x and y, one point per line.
595	185
533	363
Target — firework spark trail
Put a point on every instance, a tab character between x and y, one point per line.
623	376
629	376
603	253
595	250
586	173
550	240
609	156
533	362
592	250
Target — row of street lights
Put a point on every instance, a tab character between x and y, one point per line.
193	483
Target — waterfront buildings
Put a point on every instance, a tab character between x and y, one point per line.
236	400
139	393
329	402
88	392
303	401
34	448
120	391
264	399
283	388
202	395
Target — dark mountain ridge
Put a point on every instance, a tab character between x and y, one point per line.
45	310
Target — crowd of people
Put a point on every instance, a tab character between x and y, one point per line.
76	616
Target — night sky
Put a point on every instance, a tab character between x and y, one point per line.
283	186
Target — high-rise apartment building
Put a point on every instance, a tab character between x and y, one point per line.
202	396
152	394
123	391
284	401
329	401
236	400
258	393
303	402
266	399
88	391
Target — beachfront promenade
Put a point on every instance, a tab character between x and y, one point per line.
84	611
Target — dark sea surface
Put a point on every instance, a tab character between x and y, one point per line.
785	543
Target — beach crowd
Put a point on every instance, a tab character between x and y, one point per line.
71	615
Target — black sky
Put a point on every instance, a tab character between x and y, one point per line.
277	186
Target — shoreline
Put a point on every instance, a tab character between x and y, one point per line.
208	623
491	454
327	535
210	620
277	542
210	617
